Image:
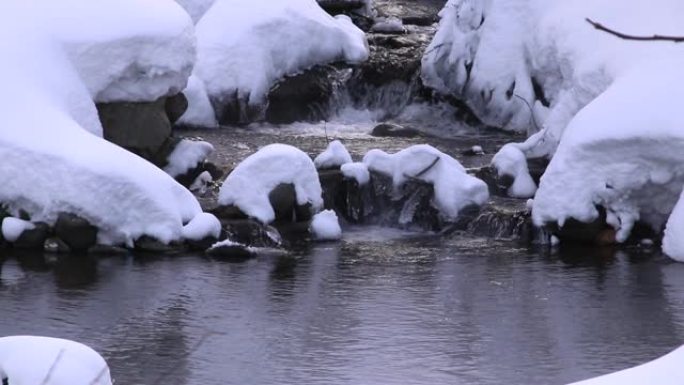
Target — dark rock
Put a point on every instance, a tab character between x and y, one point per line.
304	213
175	107
335	7
251	232
152	245
107	250
234	253
537	168
229	212
56	245
574	231
234	109
394	131
504	218
283	199
33	239
141	127
75	231
202	244
160	158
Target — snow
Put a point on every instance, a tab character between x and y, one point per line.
12	228
334	156
357	171
666	370
248	186
245	46
325	226
52	157
388	25
510	160
454	188
187	155
42	360
203	225
196	8
200	112
200	184
673	240
623	151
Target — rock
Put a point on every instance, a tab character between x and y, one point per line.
107	250
56	245
33	239
232	252
394	131
504	218
75	231
234	109
141	128
149	244
283	199
229	212
175	107
252	232
202	244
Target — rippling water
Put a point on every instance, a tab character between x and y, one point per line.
381	307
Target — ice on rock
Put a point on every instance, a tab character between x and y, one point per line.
334	156
249	185
203	225
187	155
511	161
357	171
325	226
12	228
54	361
454	189
200	112
245	46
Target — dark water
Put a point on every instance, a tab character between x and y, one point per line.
381	307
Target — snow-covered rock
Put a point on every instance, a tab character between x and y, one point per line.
673	240
245	46
666	370
454	189
357	171
187	155
200	112
623	151
511	161
249	185
203	225
325	226
335	155
12	228
42	360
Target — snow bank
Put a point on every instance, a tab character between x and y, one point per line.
454	188
248	186
42	360
623	152
245	46
53	162
325	226
511	161
666	370
187	155
203	225
12	228
200	112
357	171
335	155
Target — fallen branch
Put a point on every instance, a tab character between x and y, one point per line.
46	380
601	27
426	169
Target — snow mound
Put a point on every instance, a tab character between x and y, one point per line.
325	226
203	225
673	240
454	188
510	160
623	151
357	171
44	360
666	370
200	113
187	155
248	186
12	228
334	156
245	46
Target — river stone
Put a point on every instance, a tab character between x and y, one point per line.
175	106
394	131
228	212
75	231
152	245
56	245
233	253
141	127
33	239
283	199
234	109
302	97
251	232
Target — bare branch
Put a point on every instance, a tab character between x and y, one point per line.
601	27
425	170
53	366
99	375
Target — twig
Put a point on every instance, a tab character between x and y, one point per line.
53	366
426	169
99	375
534	120
601	27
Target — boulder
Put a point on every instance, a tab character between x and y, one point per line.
175	106
252	232
152	245
75	231
391	130
233	252
283	199
56	245
33	239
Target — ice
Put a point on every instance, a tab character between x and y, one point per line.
187	155
248	186
12	228
454	188
357	171
325	226
335	155
202	226
29	360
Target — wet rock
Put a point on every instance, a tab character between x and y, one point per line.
251	232
574	231
33	239
175	107
234	109
202	244
141	128
537	167
303	213
394	131
107	250
152	245
228	212
283	199
56	245
344	196
232	252
498	185
75	231
504	218
191	175
336	7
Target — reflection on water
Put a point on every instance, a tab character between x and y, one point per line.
381	307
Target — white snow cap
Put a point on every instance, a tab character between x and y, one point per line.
357	171
510	160
187	155
245	46
334	156
12	228
248	186
32	360
673	241
325	226
666	370
200	112
203	225
454	188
